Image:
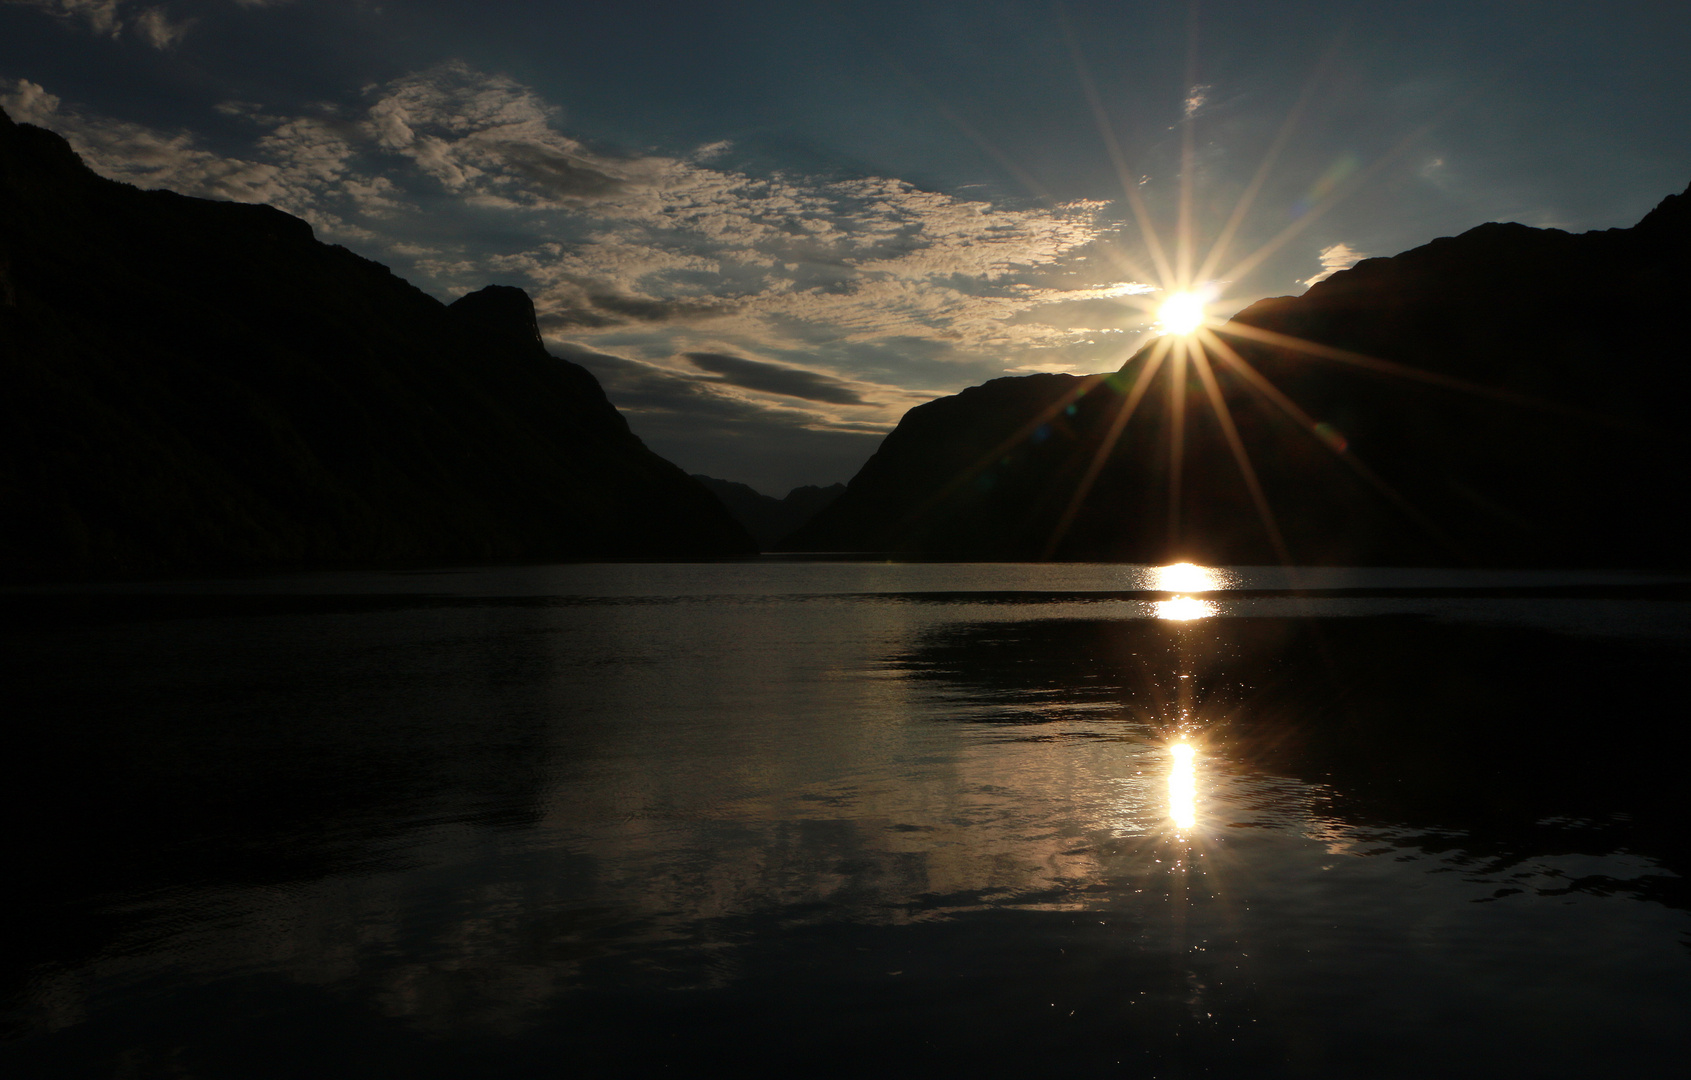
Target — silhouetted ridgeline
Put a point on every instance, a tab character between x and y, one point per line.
768	519
1571	446
189	383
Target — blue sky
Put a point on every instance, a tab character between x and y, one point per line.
771	228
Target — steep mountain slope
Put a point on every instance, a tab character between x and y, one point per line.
1510	396
186	383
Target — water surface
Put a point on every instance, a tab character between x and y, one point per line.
816	818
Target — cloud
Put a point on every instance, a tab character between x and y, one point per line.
858	295
629	239
776	379
868	256
552	322
947	310
146	157
704	428
1335	258
645	389
651	238
641	387
645	310
487	137
101	16
561	175
105	18
601	309
1196	97
29	103
157	29
306	165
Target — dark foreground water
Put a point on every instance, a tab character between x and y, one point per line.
818	819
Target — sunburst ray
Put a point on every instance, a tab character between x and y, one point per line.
1172	265
1339	194
1389	367
1230	431
1260	383
1112	145
1247	198
1100	458
1188	156
1177	439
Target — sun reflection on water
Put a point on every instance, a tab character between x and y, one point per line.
1183	608
1183	786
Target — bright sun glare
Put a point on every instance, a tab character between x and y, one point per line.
1183	609
1181	313
1183	787
1185	577
1178	280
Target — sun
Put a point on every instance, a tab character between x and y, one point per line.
1182	313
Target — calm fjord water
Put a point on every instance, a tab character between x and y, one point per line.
812	818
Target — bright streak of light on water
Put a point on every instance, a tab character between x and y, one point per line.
1186	577
1183	786
1184	609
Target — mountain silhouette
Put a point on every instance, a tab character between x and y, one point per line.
190	384
768	519
1509	396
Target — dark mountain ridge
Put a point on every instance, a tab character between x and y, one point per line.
768	519
1509	396
188	384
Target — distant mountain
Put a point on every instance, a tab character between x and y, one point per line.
767	518
188	383
1509	396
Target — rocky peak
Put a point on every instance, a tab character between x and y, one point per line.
500	311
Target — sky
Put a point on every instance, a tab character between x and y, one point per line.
771	228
